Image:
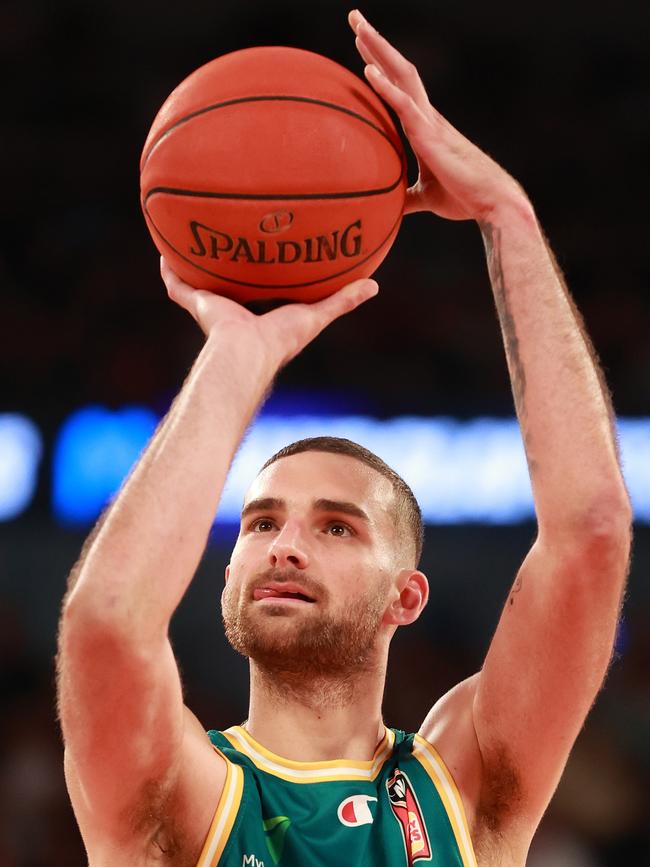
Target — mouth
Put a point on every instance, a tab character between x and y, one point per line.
277	593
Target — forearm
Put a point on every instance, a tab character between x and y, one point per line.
144	555
560	396
563	407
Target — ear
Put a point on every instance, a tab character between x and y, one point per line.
413	589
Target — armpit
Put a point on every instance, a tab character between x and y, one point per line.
160	822
501	791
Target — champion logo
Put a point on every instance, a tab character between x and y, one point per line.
354	811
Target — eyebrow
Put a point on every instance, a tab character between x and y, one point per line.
273	504
263	504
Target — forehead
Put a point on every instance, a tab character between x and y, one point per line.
300	479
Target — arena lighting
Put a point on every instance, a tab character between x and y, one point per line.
470	471
634	435
473	471
21	449
93	453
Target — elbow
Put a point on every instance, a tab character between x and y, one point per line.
603	513
603	534
599	534
82	607
83	616
610	518
111	620
81	624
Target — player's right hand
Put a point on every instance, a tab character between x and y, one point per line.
281	333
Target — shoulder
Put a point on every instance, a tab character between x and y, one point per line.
170	830
488	793
449	727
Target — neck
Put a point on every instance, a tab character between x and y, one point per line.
317	717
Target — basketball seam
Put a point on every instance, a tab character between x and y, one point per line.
270	98
274	285
209	194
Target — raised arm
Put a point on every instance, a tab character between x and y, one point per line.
128	738
553	643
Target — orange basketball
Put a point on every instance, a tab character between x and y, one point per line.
273	173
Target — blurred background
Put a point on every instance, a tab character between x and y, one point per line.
91	354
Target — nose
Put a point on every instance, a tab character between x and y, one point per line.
288	548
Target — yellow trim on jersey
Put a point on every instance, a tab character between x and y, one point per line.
225	814
432	763
310	772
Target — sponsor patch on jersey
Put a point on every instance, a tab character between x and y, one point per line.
406	810
355	811
275	829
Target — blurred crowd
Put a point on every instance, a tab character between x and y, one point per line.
555	92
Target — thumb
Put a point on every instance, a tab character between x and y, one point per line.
415	201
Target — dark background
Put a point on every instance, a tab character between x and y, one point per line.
558	94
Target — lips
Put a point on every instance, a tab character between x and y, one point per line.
282	591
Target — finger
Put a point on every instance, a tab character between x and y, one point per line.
366	55
404	105
393	64
355	18
424	130
344	301
180	292
434	140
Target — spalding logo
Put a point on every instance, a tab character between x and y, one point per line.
355	811
278	221
212	243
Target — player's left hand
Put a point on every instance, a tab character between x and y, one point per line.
456	180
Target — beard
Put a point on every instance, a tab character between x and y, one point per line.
318	643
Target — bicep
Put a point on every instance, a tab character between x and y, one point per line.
121	711
546	663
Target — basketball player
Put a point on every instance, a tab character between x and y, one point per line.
322	574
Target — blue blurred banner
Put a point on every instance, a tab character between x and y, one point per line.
93	453
21	449
471	471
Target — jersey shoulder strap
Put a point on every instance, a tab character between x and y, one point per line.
228	809
420	759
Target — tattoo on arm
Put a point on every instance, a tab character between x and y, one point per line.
519	583
492	240
595	360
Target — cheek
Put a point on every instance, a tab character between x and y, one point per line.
363	583
249	550
242	559
236	571
228	589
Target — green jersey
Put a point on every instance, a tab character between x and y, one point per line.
400	808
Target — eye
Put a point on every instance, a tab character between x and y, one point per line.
262	525
336	528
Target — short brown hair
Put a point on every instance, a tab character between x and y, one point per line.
408	513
